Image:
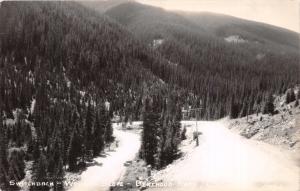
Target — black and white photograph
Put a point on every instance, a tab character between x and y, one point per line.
150	95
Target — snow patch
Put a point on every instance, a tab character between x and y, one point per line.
161	81
107	105
68	84
260	56
32	106
33	130
23	184
235	39
172	63
157	42
31	77
9	122
82	93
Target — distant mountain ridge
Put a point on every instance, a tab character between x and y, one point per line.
226	58
206	23
223	25
103	5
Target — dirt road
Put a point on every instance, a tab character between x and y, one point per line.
225	161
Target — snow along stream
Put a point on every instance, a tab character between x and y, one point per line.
99	178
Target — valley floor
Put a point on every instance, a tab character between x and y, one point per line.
109	169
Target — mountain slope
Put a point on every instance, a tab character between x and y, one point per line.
280	129
65	71
137	16
227	63
223	26
78	43
147	21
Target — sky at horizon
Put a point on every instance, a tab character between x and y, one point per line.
282	13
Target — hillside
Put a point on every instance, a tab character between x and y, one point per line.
65	71
227	63
137	16
254	32
148	22
88	50
280	129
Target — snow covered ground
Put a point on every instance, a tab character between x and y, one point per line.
110	168
225	161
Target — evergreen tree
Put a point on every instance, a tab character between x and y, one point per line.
292	95
88	126
151	123
288	97
36	151
40	173
268	107
12	175
106	120
233	109
161	133
16	167
99	129
176	129
183	134
74	151
170	138
59	175
3	156
244	110
296	103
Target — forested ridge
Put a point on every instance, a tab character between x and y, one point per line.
66	72
228	78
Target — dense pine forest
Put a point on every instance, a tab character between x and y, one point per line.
67	72
227	78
